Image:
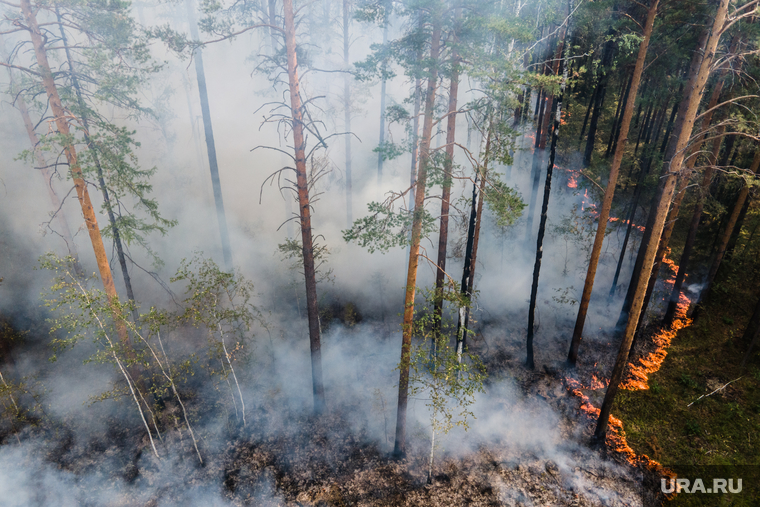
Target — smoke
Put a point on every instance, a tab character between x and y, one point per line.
359	358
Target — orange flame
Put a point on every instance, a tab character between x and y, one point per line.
637	378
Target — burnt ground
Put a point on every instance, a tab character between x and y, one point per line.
312	463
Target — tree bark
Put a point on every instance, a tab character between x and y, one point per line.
675	207
411	278
101	179
610	190
302	185
529	361
471	254
601	86
347	112
210	144
60	115
616	124
443	235
63	224
677	127
673	161
704	191
725	238
383	81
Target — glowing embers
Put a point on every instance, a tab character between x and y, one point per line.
639	227
638	372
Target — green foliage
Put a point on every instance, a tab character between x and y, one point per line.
503	201
389	150
386	228
448	385
292	251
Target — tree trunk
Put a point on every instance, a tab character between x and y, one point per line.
616	124
550	105
704	191
610	190
382	100
471	254
590	106
678	126
101	179
725	238
601	86
673	161
302	185
347	112
38	41
680	193
751	333
210	145
411	278
529	361
443	235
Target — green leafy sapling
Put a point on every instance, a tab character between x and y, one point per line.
220	302
448	383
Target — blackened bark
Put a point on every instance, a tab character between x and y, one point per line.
216	184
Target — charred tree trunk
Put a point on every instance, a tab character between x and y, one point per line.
471	255
610	190
411	278
616	124
302	185
200	74
529	361
673	160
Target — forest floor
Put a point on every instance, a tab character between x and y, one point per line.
310	462
722	428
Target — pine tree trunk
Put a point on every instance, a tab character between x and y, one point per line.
210	144
599	100
610	190
675	207
529	361
550	105
471	253
443	235
694	66
411	278
383	82
725	238
60	115
101	179
616	124
347	112
704	191
302	185
673	161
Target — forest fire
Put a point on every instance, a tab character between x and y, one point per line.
641	228
636	378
